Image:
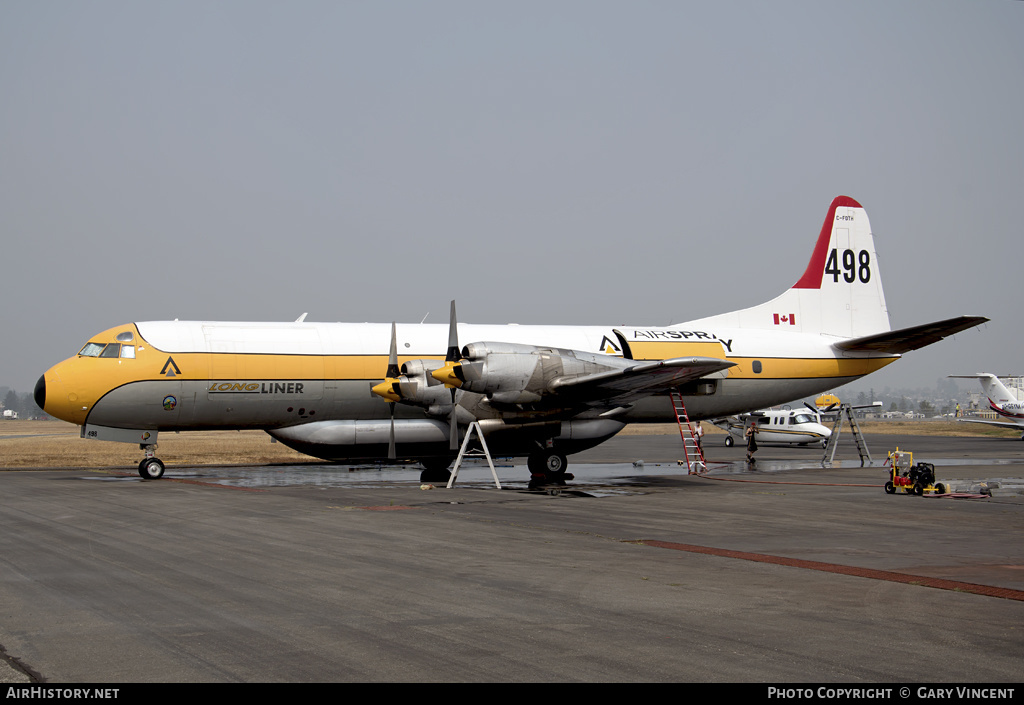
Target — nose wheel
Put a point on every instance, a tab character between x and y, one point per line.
151	467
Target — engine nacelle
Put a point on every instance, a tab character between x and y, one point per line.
417	387
419	370
508	373
428	391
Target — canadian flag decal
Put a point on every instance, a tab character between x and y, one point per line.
790	319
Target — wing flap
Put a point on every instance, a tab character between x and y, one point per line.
897	342
623	386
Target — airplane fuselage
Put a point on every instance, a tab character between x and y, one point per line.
361	390
195	375
1008	409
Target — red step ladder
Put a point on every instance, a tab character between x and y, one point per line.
692	451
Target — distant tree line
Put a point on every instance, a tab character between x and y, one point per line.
22	404
939	400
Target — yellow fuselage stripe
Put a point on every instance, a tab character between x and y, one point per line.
94	377
105	374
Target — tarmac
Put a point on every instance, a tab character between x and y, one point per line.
635	571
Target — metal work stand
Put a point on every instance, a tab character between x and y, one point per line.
475	426
833	440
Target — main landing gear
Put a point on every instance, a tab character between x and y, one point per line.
150	467
547	467
435	469
547	463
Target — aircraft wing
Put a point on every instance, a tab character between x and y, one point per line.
1004	424
872	405
733	425
904	340
624	386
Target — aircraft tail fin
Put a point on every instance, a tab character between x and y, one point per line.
995	390
840	291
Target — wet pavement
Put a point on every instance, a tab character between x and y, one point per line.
632	572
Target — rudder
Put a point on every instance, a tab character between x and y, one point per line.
840	292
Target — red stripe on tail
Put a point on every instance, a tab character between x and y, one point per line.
816	267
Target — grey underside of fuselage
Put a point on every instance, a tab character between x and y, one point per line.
173	405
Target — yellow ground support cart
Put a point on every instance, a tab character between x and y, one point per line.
907	478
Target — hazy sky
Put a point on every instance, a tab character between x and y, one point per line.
540	162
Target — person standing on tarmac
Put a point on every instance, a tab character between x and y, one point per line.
750	435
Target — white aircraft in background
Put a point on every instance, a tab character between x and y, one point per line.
1000	399
777	427
785	426
333	391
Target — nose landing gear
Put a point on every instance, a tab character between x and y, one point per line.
150	467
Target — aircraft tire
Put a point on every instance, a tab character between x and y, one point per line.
824	443
435	469
548	463
729	441
151	469
435	475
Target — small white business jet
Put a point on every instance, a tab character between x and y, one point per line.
1000	399
333	391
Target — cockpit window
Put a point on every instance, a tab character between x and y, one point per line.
125	337
92	350
108	350
802	418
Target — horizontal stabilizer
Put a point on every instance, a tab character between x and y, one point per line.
897	342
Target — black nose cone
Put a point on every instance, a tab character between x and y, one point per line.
40	393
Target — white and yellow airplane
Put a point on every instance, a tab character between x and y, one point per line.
777	427
786	426
331	390
1001	400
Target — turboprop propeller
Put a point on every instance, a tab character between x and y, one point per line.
390	389
816	410
451	365
415	385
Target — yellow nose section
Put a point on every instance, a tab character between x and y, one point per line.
57	400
